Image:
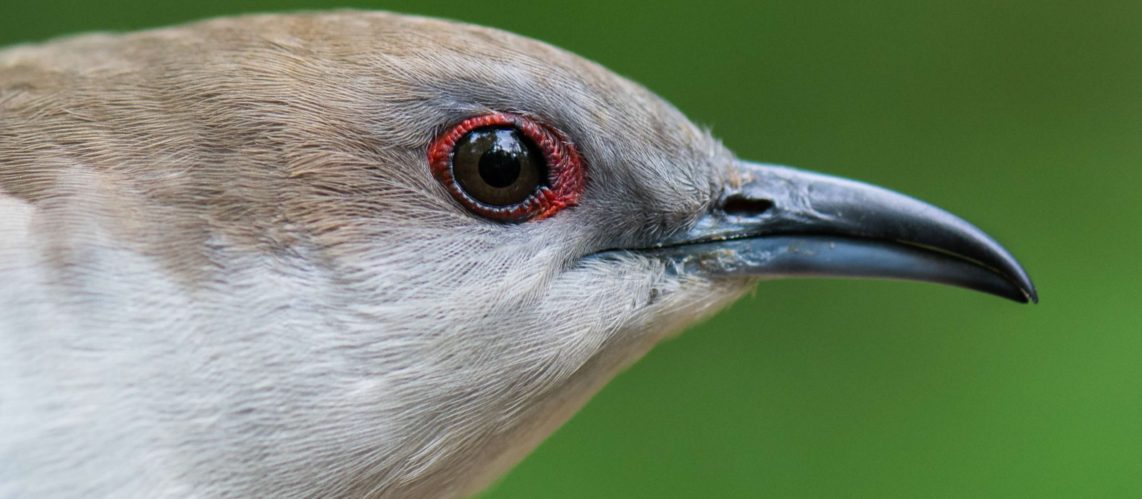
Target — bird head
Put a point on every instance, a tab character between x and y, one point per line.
412	248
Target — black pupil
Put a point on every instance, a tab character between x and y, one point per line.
500	163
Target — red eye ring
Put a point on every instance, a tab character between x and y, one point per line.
565	175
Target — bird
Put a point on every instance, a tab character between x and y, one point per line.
365	254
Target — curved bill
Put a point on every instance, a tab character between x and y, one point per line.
781	222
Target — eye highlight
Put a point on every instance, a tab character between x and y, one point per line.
507	168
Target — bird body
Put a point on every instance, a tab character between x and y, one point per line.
227	269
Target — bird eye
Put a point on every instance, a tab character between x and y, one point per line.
507	168
498	165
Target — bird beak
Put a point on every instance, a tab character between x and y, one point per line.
775	222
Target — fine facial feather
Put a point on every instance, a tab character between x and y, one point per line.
225	268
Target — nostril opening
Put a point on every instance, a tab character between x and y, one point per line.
745	207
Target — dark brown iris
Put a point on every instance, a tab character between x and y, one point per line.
498	166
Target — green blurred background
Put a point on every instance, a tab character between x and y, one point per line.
1024	117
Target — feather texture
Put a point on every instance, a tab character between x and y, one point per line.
226	270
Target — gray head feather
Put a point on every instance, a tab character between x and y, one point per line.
225	268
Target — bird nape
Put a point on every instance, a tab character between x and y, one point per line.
365	254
